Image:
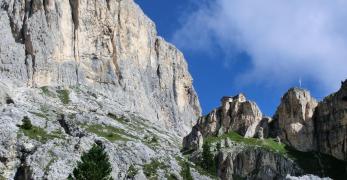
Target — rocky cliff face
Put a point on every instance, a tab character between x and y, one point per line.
228	131
306	125
86	71
331	124
303	137
109	45
255	164
294	118
235	114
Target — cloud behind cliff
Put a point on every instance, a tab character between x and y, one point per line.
285	39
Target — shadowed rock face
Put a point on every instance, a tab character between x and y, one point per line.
294	118
108	45
255	164
331	124
235	114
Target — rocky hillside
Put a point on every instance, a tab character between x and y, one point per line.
80	72
303	137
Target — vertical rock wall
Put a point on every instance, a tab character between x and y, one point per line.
108	45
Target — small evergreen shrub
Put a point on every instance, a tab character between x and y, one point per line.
94	165
154	140
26	123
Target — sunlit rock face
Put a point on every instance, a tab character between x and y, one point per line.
108	45
235	114
294	118
331	124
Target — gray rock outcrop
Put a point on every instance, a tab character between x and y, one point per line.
331	124
108	45
294	118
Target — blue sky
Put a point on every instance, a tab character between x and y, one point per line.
260	49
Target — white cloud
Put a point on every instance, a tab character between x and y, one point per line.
285	38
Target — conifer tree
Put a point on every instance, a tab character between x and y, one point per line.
94	165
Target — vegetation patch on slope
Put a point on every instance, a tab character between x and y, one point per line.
110	133
45	90
269	144
37	133
63	95
117	118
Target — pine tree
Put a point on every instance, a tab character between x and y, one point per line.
94	165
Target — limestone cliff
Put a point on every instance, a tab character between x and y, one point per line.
109	45
306	125
294	118
235	114
303	137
